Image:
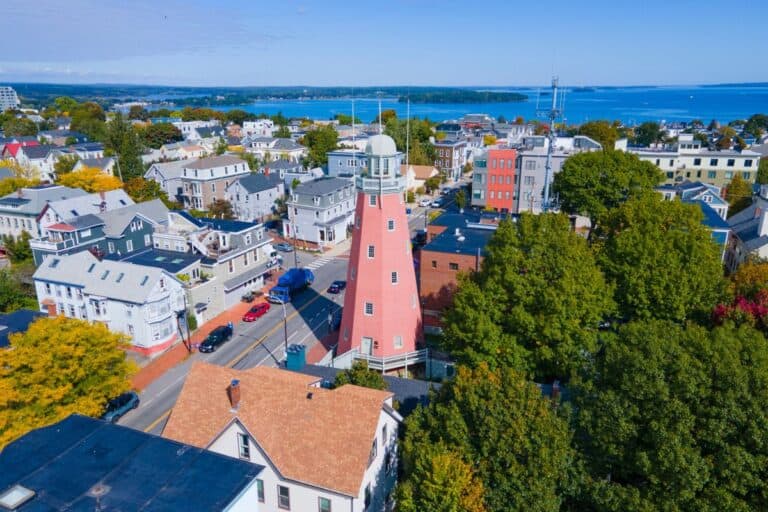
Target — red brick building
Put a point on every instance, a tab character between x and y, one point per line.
494	180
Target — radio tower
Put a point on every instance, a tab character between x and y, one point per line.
552	114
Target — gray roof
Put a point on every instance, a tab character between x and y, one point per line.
32	200
746	224
281	165
169	170
5	172
98	163
91	203
214	161
322	186
286	145
253	182
39	151
88	220
209	131
64	464
115	221
116	280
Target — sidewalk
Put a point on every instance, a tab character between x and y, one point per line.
178	353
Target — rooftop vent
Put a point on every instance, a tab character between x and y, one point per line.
233	392
309	396
15	497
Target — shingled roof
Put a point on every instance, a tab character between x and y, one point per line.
312	435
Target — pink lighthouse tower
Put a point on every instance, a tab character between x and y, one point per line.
382	317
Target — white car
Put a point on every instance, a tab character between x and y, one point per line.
437	203
425	201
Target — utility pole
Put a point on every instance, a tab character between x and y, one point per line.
285	329
552	114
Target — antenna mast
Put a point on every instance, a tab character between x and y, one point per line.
408	132
552	114
380	129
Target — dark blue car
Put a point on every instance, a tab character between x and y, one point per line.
117	407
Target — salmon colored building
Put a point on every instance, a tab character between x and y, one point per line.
495	179
381	320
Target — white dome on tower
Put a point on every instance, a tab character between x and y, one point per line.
380	145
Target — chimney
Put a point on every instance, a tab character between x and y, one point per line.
266	171
102	195
233	392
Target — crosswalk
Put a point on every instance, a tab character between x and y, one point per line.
319	262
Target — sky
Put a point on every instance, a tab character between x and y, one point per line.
393	42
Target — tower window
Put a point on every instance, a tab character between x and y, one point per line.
369	308
372	200
391	224
398	342
394	277
371	251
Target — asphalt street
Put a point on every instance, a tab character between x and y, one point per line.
261	342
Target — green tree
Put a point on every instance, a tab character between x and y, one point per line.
155	135
122	140
592	183
386	116
420	151
283	133
139	113
756	125
89	118
60	366
346	119
501	426
727	134
461	199
360	375
220	209
18	249
141	190
674	418
238	116
539	297
600	131
14	294
65	164
440	481
432	184
410	197
250	158
648	133
762	172
319	142
19	127
65	104
221	146
661	258
738	194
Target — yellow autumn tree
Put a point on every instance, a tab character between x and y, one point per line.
21	173
90	179
489	140
60	366
750	278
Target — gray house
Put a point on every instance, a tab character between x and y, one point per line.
19	210
253	196
320	211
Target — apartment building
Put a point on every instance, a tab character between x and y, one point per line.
206	179
494	180
8	99
19	211
451	157
289	424
688	160
346	162
320	211
532	158
138	301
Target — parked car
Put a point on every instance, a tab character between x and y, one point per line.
445	191
256	312
284	246
118	406
437	203
424	201
337	286
248	297
215	338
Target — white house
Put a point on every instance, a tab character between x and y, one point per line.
168	175
73	207
188	128
749	229
107	165
272	148
253	196
322	450
19	211
138	301
320	211
417	175
258	128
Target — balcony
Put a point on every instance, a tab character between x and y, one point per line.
48	245
394	362
369	185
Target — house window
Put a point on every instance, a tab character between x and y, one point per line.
323	505
72	311
372	200
369	308
731	162
368	496
260	489
391	225
69	292
352	274
713	162
748	163
530	165
243	446
712	175
697	161
129	245
48	288
398	343
728	175
130	329
147	240
453	266
283	497
394	277
245	259
371	251
528	180
745	175
374	452
231	265
671	163
434	263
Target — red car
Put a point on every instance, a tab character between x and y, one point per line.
256	311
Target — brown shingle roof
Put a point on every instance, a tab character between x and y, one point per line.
421	172
214	161
323	441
